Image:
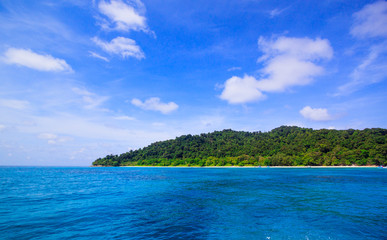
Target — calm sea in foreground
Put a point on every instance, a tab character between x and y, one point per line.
192	203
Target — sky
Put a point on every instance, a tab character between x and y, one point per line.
80	79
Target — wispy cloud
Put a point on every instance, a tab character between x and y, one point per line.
125	47
287	62
125	118
370	70
371	21
315	114
53	138
42	28
30	59
47	136
123	16
96	55
89	99
233	69
276	12
14	104
156	105
369	25
89	128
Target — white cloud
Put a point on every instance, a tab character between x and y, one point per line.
53	138
96	55
371	21
2	127
315	114
125	47
47	136
284	72
93	129
370	70
299	48
276	12
155	105
91	100
125	118
14	104
241	90
287	62
233	69
50	137
123	16
81	91
30	59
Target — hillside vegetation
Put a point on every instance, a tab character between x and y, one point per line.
283	146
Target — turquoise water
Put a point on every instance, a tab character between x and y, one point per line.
192	203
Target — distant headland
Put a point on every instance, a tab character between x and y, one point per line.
282	146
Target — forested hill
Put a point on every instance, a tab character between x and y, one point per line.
283	146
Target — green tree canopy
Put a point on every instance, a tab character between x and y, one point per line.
283	146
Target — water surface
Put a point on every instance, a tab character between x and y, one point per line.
192	203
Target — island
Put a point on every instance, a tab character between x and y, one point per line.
282	146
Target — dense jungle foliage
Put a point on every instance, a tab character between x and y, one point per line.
283	146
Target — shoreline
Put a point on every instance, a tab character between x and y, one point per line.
368	166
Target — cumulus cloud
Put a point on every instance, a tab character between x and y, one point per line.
156	105
284	72
315	114
287	62
125	47
30	59
300	48
371	21
14	104
241	90
123	16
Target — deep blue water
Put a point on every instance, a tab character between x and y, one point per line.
192	203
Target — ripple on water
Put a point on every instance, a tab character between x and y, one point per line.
192	203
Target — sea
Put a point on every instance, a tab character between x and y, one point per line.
192	203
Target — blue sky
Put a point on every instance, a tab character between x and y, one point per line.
83	79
